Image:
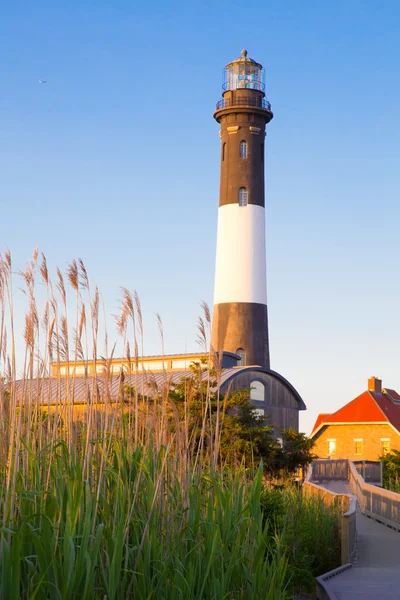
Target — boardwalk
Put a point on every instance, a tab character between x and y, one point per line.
376	570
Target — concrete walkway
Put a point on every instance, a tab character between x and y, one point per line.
376	569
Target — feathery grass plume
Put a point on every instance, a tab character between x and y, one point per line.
78	334
73	275
206	312
94	312
83	274
43	270
160	331
80	355
139	314
45	318
50	339
127	302
64	339
7	259
201	333
61	286
122	321
82	321
29	335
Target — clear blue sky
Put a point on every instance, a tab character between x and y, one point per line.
116	160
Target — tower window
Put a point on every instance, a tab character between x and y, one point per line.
241	353
223	151
262	151
242	196
243	149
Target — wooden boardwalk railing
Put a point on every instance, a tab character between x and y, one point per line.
378	547
375	502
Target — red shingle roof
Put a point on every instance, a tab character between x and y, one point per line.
389	409
369	407
321	417
392	394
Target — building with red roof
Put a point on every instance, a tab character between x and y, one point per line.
363	429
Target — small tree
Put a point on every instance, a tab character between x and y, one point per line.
295	452
391	470
244	436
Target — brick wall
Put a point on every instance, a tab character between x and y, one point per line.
345	435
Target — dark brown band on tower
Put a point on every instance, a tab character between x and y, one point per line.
242	115
242	325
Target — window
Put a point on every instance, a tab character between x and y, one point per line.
241	353
243	149
260	412
262	151
331	446
257	391
385	446
154	366
242	196
358	446
223	151
116	369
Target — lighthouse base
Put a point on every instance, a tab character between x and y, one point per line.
242	326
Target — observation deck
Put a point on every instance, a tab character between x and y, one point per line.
250	101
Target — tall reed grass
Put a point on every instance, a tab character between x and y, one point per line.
115	501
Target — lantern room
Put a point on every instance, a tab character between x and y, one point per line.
243	73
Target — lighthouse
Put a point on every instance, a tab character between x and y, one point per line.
240	323
240	318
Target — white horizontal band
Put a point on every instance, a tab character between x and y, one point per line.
240	271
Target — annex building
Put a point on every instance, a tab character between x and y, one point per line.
363	429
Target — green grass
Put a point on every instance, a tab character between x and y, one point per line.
137	532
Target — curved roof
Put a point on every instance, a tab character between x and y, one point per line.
105	389
228	374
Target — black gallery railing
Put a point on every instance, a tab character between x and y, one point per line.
244	101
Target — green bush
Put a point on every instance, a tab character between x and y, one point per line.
310	531
391	470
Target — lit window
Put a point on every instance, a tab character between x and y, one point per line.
358	446
240	352
257	391
154	366
116	369
242	196
385	446
260	412
331	447
243	149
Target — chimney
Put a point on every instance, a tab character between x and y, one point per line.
375	385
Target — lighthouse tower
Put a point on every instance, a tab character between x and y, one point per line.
240	320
